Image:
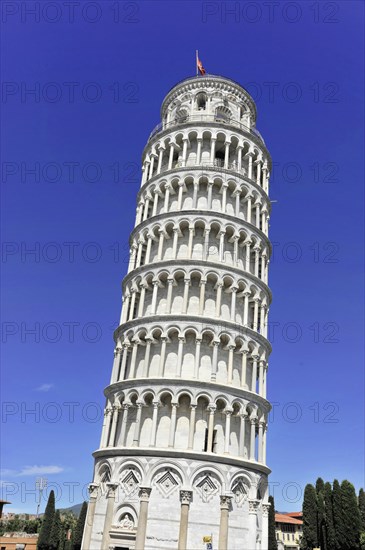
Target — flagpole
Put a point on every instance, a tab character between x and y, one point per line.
196	62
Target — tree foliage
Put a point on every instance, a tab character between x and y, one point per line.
350	517
361	501
273	545
77	539
56	536
45	532
309	539
330	536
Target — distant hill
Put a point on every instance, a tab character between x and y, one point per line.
76	509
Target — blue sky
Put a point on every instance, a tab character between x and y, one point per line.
99	74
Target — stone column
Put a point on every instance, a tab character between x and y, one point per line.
170	283
233	302
206	244
180	356
252	438
109	412
190	244
141	299
186	295
185	499
173	424
218	299
144	497
265	525
195	194
212	150
133	301
113	432
192	426
125	408
167	197
260	442
109	514
252	523
180	194
254	373
230	364
137	427
227	431
221	245
104	428
184	151
162	356
244	369
215	359
154	423
225	502
133	359
160	155
248	256
211	409
199	151
246	296
93	492
249	202
147	357
124	362
160	244
198	342
210	192
224	198
116	364
155	202
202	296
148	249
171	156
242	434
226	154
155	285
174	243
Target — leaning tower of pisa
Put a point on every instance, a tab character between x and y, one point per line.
182	458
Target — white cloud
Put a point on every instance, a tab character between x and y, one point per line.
45	387
40	470
33	471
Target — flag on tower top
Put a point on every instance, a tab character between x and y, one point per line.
199	65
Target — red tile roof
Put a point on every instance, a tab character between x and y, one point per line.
284	518
294	514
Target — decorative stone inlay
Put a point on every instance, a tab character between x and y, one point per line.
167	484
207	488
130	483
240	492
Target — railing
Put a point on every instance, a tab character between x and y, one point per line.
204	118
218	163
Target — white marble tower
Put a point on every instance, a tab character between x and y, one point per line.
183	448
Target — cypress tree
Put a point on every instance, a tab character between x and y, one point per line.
340	528
320	520
329	536
319	486
273	545
351	516
45	532
362	508
309	540
56	532
79	530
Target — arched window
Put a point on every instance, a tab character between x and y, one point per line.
181	116
201	101
223	114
